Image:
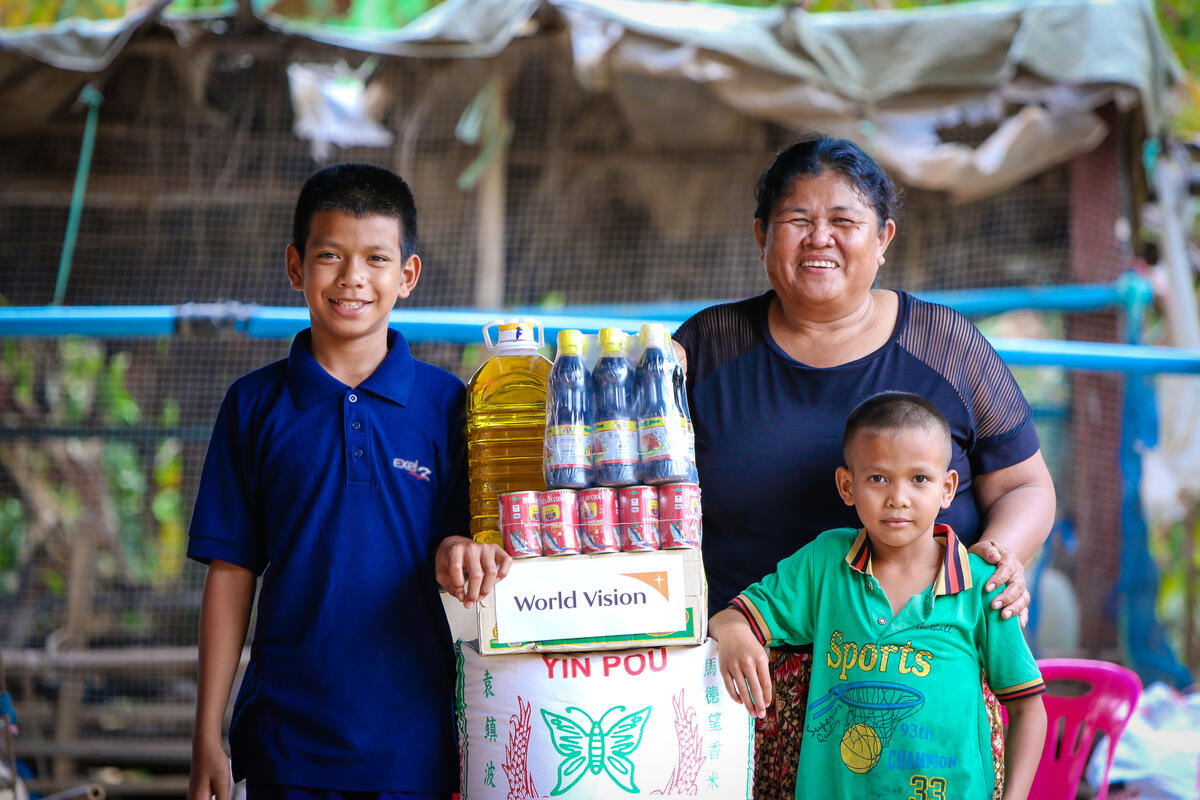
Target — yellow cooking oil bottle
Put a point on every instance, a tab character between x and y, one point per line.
506	417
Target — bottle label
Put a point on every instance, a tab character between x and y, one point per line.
615	441
567	446
662	438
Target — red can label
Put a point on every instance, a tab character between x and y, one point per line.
638	515
679	515
519	524
598	508
560	522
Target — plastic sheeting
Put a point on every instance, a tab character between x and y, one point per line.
1158	755
892	80
453	29
78	45
1033	72
334	106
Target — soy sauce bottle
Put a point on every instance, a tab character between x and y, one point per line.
566	461
614	434
665	439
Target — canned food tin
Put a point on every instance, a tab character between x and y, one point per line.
679	515
598	509
638	516
519	524
560	522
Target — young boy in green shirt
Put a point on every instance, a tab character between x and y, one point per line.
901	629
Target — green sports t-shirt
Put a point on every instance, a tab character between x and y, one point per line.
895	706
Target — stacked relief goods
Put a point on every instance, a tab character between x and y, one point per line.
552	701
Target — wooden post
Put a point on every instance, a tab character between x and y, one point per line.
83	458
79	611
490	198
1097	256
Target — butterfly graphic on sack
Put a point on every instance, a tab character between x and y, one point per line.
588	747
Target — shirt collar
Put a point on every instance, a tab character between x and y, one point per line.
310	383
954	576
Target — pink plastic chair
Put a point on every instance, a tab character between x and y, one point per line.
1073	719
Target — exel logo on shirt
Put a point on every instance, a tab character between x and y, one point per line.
412	468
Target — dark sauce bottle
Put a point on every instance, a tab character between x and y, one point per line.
614	434
566	462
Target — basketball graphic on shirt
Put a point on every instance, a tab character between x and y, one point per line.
865	714
860	747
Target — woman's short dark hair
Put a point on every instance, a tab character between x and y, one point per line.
814	155
359	190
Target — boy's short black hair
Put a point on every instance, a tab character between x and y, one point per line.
890	411
358	189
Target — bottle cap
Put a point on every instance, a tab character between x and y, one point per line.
612	341
570	343
654	334
514	336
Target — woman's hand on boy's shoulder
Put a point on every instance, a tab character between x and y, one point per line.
468	569
1010	573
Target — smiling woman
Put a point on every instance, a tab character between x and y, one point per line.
822	244
771	380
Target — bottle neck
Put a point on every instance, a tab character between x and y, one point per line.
504	349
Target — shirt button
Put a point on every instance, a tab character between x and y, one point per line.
353	398
358	454
356	424
881	621
870	586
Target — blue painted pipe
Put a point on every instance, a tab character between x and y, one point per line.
1128	358
116	321
464	326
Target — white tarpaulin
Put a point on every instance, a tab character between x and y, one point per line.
1158	755
1032	73
892	80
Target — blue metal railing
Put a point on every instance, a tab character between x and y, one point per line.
463	326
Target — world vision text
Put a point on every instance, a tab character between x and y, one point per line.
566	600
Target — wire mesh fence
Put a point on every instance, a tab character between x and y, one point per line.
190	199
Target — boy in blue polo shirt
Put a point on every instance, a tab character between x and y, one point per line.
901	628
338	474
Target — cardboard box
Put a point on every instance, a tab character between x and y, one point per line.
600	726
597	602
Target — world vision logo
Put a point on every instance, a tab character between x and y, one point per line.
412	468
655	580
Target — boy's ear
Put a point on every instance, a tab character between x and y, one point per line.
845	484
409	275
949	487
294	267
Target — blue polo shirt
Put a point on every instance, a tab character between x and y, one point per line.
338	498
